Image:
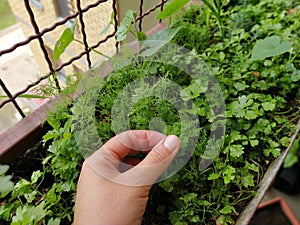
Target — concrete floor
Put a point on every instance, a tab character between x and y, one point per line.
7	116
17	70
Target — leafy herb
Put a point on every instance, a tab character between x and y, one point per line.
262	106
125	25
270	46
63	42
172	8
5	181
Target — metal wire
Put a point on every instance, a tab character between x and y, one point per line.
13	97
162	8
84	37
51	28
42	33
151	10
39	36
13	101
115	10
141	13
41	42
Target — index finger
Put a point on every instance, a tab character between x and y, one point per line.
132	140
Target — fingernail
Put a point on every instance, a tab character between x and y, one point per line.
171	143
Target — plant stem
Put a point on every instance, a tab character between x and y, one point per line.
216	12
100	53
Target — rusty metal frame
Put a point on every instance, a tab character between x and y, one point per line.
40	33
23	135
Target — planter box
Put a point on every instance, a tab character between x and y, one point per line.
18	145
269	176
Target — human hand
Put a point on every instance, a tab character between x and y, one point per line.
112	189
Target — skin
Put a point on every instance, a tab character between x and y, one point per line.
112	192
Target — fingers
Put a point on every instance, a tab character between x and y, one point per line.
162	151
108	159
155	163
132	141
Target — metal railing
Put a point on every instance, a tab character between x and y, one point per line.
11	98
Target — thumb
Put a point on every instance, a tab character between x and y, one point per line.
162	151
154	164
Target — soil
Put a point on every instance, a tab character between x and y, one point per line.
24	166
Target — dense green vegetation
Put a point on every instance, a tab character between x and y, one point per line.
253	52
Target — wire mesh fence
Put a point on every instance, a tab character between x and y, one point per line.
77	14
